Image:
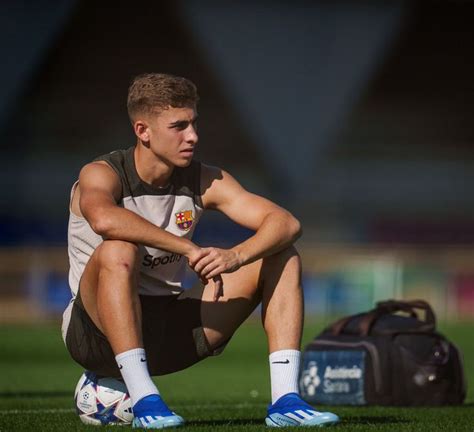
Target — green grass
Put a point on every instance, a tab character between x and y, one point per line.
227	393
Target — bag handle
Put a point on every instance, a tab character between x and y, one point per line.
392	306
385	308
339	325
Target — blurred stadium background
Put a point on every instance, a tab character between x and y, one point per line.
358	116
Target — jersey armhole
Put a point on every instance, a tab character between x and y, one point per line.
71	196
198	194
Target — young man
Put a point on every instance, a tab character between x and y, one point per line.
132	216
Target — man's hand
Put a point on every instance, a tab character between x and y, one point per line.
218	287
195	256
211	262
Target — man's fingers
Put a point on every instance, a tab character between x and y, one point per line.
218	287
213	268
195	259
202	263
215	272
217	293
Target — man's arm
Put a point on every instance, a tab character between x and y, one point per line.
100	190
275	227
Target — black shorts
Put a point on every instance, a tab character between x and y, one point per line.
173	336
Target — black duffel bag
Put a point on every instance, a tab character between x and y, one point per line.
391	355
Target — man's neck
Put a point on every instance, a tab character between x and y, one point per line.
150	168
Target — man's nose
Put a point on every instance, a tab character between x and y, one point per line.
192	136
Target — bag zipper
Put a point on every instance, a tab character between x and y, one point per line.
369	347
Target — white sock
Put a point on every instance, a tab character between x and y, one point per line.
134	370
284	369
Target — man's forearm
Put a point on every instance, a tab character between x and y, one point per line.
117	223
278	230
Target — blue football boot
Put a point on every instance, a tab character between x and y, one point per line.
151	412
291	410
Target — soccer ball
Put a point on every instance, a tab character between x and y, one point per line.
102	400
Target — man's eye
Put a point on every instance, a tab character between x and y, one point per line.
180	126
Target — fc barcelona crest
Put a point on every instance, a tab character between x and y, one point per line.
184	220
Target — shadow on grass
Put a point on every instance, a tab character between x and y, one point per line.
344	421
35	394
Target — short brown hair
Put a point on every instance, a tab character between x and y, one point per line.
152	92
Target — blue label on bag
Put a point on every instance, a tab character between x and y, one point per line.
333	377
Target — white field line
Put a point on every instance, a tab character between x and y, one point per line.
37	411
190	406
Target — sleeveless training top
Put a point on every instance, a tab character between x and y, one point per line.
175	208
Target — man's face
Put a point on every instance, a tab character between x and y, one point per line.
173	135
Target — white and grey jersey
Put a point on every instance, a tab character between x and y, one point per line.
175	208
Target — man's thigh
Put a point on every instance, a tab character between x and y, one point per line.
172	329
221	319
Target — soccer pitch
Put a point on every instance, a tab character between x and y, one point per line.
227	393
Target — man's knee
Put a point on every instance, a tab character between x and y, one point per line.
283	264
118	256
288	257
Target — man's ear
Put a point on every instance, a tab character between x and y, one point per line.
141	131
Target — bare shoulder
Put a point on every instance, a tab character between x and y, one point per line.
99	176
222	192
97	169
94	174
217	186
